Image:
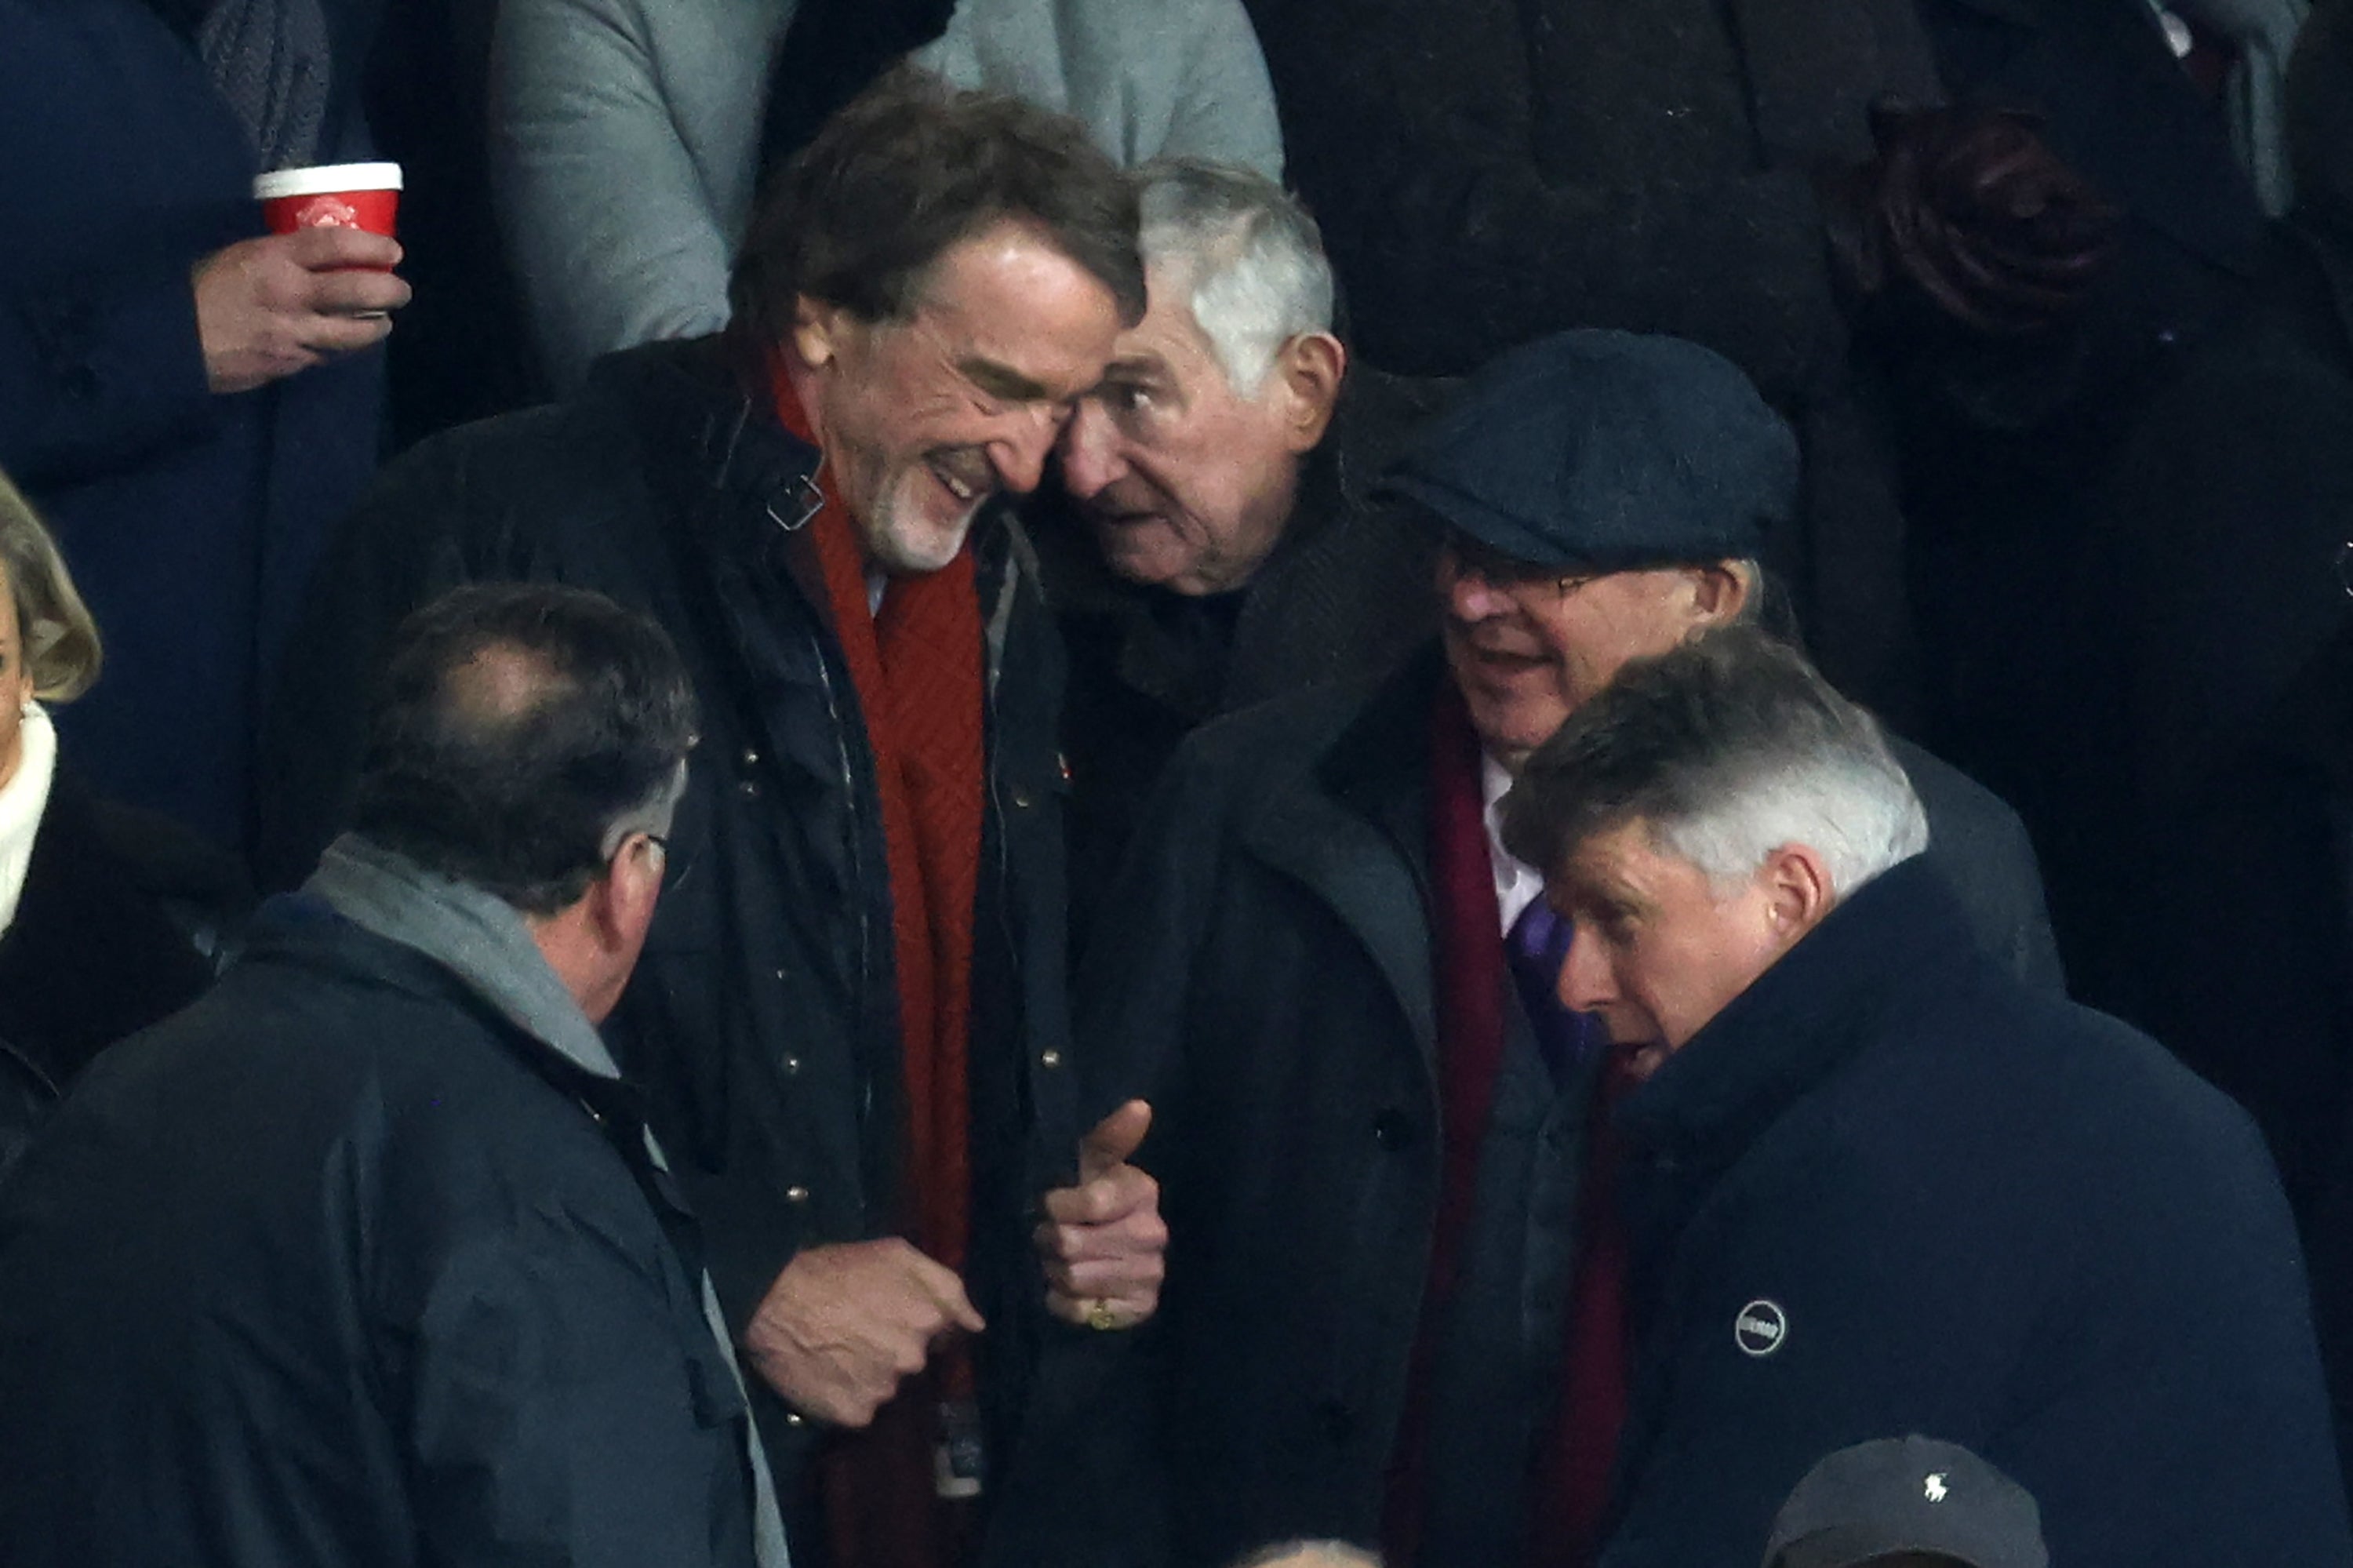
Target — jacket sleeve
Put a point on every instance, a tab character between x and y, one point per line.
1455	245
1980	849
2183	1418
614	235
1225	105
552	1417
95	371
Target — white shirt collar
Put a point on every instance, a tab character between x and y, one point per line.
22	801
1517	883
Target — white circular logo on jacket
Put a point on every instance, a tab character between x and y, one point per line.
1760	1328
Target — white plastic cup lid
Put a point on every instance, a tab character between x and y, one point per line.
326	179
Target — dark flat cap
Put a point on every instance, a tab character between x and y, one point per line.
1907	1494
1607	450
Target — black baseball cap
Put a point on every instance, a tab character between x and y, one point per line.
1907	1494
1606	451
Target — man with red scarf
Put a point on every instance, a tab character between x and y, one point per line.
849	1024
1396	1310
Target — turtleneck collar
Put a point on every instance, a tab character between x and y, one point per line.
1895	940
23	800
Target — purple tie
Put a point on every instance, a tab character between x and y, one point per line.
1537	945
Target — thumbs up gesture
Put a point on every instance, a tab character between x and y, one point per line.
1102	1241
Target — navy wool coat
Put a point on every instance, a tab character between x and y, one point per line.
1889	1189
190	520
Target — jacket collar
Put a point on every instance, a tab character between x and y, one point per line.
1353	828
725	463
1897	942
1379	765
480	939
1149	664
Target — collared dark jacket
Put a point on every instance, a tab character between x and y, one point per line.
1268	986
1889	1189
123	919
763	1017
340	1267
1488	171
2205	696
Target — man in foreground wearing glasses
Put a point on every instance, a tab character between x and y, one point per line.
367	1258
1393	1308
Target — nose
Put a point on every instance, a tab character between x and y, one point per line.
1470	597
1019	455
1585	982
1091	452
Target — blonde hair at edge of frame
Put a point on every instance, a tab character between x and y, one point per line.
60	641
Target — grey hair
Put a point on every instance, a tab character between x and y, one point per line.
1249	256
1727	749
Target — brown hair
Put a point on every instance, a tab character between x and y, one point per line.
905	171
60	641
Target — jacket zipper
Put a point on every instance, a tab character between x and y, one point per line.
857	856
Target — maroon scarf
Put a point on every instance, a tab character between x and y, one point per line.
1471	986
1571	1482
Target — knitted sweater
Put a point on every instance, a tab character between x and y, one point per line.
625	135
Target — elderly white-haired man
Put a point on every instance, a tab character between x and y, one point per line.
1222	548
1874	1183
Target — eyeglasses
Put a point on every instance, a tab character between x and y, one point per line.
1462	556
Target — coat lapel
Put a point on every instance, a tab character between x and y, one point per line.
1353	831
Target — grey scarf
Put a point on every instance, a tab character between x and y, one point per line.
272	61
484	942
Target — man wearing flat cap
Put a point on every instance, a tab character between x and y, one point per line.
1392	1314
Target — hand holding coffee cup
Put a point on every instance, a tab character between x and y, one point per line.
319	285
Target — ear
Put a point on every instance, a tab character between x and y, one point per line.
819	331
1798	891
1309	369
1718	594
620	903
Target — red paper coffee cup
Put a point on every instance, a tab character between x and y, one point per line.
330	196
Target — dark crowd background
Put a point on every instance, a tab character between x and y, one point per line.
2058	295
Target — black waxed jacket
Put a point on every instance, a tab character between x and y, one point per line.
763	1017
340	1265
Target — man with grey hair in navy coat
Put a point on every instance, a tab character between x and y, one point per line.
1871	1183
